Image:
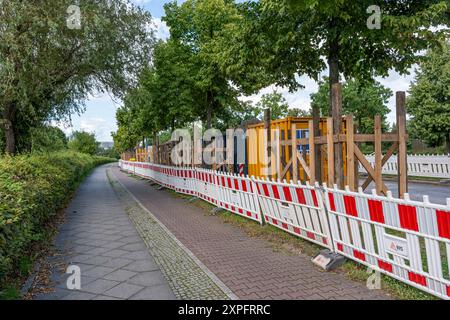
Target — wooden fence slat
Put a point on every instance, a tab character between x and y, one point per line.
330	152
350	153
312	153
294	153
378	165
402	156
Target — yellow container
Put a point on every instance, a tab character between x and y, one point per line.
256	152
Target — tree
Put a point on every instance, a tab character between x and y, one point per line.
131	125
173	89
48	67
199	25
84	142
363	100
276	103
165	97
47	138
286	38
297	112
108	152
429	99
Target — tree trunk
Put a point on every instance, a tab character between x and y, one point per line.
335	107
10	136
333	65
447	144
317	152
155	148
209	106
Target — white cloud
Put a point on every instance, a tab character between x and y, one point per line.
396	82
141	2
102	97
161	29
100	126
99	117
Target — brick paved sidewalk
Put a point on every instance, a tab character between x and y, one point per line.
248	266
100	238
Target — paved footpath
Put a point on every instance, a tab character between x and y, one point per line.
99	236
248	266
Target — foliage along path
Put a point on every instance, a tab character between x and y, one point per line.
118	260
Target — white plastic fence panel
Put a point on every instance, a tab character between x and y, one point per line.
184	180
127	166
152	172
404	239
238	195
437	166
206	185
167	174
295	208
140	169
159	177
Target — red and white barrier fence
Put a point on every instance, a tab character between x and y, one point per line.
183	181
237	194
407	240
205	185
296	208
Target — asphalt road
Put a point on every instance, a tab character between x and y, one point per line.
436	192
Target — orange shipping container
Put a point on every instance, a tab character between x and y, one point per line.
256	151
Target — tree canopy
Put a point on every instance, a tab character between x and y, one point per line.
199	25
47	138
281	39
429	99
363	100
84	142
48	68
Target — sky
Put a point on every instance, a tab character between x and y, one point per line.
99	116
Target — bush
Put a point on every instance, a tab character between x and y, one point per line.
32	189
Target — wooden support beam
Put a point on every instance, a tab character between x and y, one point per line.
330	151
278	153
312	153
336	102
317	151
368	167
350	153
268	133
294	153
402	156
385	159
356	166
378	166
386	137
286	168
303	163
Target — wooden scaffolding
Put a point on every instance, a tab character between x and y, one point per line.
341	140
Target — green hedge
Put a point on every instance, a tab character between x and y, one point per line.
32	189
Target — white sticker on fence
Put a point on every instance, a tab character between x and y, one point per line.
285	212
396	245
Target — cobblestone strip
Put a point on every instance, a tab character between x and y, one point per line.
186	275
